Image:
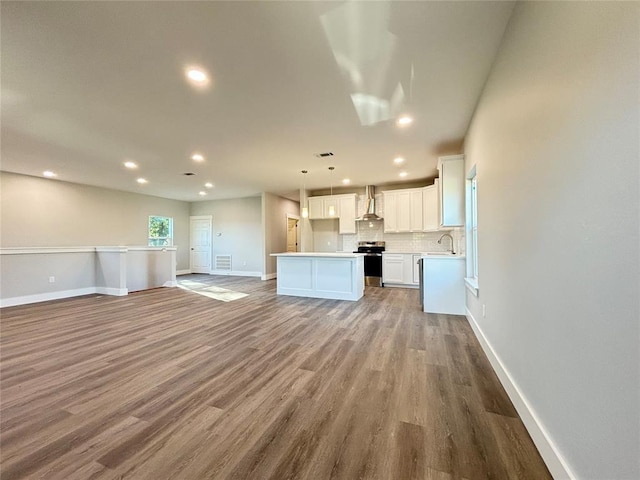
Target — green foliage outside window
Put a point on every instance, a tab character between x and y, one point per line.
160	231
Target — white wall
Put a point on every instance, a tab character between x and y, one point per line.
274	217
325	236
555	138
38	212
237	230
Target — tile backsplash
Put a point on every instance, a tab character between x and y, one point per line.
405	242
399	242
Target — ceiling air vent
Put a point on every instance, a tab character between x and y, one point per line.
188	174
324	154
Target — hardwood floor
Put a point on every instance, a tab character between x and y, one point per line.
167	383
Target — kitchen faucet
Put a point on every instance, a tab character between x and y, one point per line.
453	252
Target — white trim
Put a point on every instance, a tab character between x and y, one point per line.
269	276
183	272
550	453
472	285
400	285
117	292
235	273
43	250
45	297
111	249
170	283
38	250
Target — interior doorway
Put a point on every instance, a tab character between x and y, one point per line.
200	244
293	233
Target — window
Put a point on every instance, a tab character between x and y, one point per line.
472	231
160	231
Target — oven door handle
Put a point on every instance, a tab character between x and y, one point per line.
372	254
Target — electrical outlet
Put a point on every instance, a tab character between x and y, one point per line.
484	310
52	279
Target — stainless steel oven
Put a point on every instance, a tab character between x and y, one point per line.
372	262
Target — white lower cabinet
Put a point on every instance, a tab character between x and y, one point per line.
444	288
416	268
392	268
400	269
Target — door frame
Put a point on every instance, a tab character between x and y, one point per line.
286	226
202	217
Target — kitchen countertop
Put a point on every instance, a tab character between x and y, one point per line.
432	255
438	254
319	254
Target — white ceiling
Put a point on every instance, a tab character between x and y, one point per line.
88	85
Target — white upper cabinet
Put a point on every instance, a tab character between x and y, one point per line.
316	208
390	216
347	222
430	208
451	170
416	210
403	210
344	206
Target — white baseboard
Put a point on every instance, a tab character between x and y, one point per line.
170	283
551	455
118	292
45	297
235	273
268	276
183	272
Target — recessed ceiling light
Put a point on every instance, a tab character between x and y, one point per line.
346	181
403	174
405	120
142	181
49	174
202	193
130	164
398	160
196	157
208	185
197	76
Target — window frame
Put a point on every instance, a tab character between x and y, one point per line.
168	240
471	227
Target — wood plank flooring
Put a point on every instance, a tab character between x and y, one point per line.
169	384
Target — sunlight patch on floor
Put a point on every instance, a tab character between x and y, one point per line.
217	293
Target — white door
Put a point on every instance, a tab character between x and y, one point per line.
200	244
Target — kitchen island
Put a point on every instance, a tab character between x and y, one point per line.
337	276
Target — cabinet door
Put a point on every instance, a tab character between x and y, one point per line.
392	268
390	218
416	269
452	190
331	202
403	212
407	269
347	223
415	212
316	208
430	208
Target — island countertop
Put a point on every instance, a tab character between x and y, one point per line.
318	254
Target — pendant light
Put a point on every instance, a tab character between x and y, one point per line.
332	207
303	199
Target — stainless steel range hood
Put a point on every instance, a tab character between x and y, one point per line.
370	212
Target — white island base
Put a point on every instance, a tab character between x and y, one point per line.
337	276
